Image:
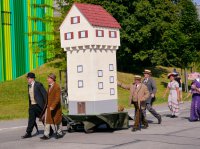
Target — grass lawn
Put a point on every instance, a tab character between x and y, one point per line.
14	98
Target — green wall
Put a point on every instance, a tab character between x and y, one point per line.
18	53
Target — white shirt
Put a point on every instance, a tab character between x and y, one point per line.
146	80
50	86
31	93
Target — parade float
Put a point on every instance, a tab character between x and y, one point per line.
91	37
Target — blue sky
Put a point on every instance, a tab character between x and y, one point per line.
197	1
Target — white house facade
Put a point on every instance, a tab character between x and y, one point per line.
90	36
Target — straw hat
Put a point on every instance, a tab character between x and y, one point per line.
170	74
137	77
147	71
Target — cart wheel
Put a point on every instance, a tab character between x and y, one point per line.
89	131
70	130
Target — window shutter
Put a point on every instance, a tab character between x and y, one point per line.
102	33
110	34
72	35
71	20
78	19
79	34
86	34
65	36
96	33
115	34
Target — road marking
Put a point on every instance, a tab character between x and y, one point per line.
11	128
1	129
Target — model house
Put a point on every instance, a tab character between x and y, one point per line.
90	36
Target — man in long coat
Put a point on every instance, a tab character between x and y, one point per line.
53	115
151	85
138	96
37	99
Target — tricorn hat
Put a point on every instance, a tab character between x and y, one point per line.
52	76
147	71
30	75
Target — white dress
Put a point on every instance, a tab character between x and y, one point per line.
173	97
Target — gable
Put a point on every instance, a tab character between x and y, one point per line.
73	12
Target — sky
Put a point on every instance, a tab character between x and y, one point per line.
197	1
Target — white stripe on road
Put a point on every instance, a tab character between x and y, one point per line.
1	129
18	127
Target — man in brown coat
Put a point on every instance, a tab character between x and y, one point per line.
53	113
138	95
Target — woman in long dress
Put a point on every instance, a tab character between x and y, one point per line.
195	104
173	98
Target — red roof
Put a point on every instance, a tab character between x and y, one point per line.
97	15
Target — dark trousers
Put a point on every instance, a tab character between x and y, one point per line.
139	116
34	112
152	111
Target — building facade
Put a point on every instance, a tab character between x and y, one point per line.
21	30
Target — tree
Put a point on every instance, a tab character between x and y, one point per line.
154	32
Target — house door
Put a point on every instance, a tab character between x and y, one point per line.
81	107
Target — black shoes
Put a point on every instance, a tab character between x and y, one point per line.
159	119
145	126
58	136
27	135
174	116
44	138
135	129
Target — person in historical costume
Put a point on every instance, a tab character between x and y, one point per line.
173	98
53	114
195	104
37	98
151	85
178	79
138	96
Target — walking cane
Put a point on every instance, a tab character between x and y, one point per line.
36	126
140	115
54	123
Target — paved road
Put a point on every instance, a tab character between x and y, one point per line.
172	133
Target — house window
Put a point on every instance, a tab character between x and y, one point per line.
80	68
112	34
111	67
100	85
112	91
99	33
75	20
80	83
100	73
69	36
111	79
83	34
